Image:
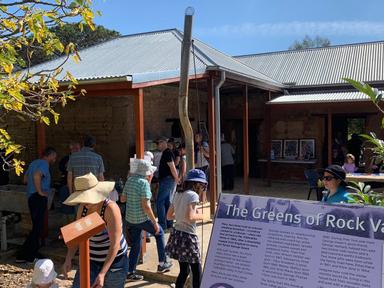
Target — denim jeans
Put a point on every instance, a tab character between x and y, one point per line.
115	277
166	188
37	207
135	233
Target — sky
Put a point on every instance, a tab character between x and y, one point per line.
240	27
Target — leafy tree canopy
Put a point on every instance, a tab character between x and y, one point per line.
81	37
25	27
308	42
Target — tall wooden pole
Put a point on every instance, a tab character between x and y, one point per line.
41	142
84	264
183	88
139	122
212	145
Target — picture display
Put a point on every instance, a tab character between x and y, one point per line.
307	149
291	149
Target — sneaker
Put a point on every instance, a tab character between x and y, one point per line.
133	276
164	268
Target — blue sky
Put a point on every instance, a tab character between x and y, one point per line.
239	27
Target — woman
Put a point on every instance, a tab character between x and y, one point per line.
108	249
334	183
183	244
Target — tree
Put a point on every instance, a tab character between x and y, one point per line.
308	42
31	94
72	33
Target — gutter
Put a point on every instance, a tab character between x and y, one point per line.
261	83
100	80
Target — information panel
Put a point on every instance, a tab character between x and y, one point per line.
279	243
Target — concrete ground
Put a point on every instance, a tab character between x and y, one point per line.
258	187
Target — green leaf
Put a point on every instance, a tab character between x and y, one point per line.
45	120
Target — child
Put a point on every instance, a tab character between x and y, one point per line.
349	164
183	244
44	275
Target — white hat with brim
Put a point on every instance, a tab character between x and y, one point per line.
44	272
142	167
88	190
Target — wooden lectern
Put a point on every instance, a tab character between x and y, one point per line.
78	233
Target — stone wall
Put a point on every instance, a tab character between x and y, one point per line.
112	121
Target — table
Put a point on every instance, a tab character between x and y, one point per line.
365	177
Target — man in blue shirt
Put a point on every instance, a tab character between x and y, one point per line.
38	179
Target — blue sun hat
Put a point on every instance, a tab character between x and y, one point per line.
196	175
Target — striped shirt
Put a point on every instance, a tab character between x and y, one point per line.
135	189
85	161
99	244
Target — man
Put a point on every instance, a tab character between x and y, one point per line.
201	153
168	178
68	211
139	215
227	164
38	180
85	161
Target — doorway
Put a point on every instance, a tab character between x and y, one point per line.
233	131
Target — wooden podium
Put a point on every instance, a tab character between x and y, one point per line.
78	233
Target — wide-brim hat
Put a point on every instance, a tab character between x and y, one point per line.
44	272
89	190
142	167
336	171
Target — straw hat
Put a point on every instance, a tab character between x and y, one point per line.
89	190
142	167
44	272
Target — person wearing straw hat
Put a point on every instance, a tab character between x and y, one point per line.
108	249
44	275
139	216
183	243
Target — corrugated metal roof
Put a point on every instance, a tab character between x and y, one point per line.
335	97
322	66
150	57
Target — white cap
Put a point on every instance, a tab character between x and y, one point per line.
44	272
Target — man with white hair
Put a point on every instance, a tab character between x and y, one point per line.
139	216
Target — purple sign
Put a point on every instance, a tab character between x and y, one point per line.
280	243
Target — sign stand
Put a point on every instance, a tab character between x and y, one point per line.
77	234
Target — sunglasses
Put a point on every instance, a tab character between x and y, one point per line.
327	178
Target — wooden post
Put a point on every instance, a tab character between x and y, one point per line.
77	234
139	121
329	122
212	145
84	264
246	140
183	89
41	139
268	129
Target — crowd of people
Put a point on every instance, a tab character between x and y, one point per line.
83	191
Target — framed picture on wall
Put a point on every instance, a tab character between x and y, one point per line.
307	149
291	148
277	149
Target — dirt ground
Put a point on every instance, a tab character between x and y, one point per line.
14	275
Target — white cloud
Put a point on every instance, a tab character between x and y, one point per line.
339	28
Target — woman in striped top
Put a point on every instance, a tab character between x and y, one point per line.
108	249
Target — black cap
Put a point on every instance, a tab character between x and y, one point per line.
336	171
